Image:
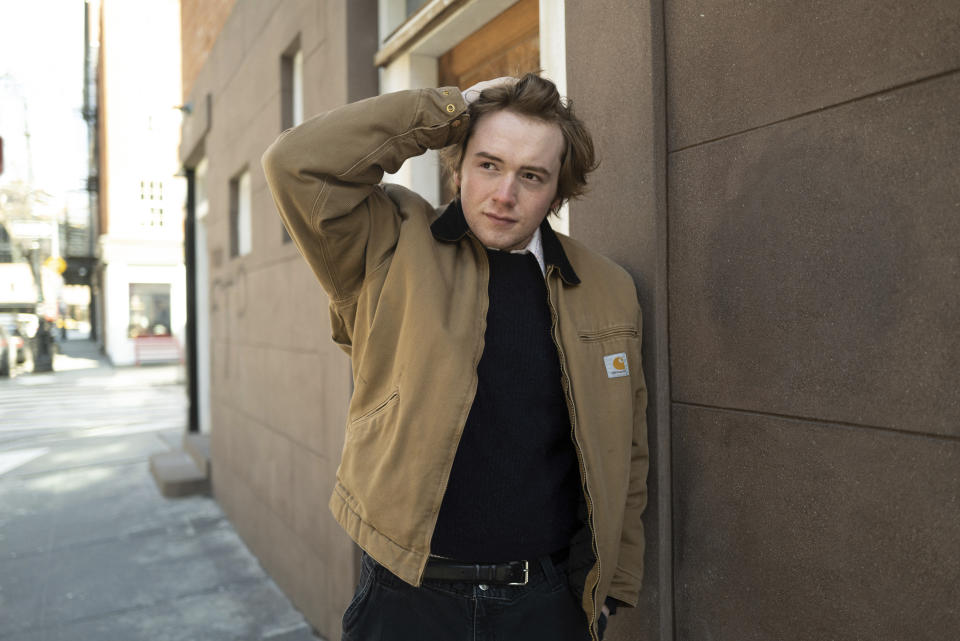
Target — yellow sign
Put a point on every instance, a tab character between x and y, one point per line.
57	263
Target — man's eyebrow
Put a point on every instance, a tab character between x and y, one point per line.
536	168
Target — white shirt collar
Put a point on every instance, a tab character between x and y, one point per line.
535	247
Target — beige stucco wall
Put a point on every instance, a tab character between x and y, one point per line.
279	387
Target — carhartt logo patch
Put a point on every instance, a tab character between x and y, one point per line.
616	365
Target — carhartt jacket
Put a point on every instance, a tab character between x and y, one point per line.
408	302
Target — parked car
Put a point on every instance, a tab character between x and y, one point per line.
8	352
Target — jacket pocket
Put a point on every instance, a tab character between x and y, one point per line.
619	331
380	408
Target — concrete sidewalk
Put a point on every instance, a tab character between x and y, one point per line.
89	550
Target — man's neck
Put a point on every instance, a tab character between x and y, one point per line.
535	247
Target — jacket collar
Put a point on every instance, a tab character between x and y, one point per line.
451	226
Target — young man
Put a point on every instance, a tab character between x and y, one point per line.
495	459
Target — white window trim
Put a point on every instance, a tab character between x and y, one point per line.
553	62
297	88
244	215
420	37
201	204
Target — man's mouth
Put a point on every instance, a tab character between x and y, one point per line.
499	219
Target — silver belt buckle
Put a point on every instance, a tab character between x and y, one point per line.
526	574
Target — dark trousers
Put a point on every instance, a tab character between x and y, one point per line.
385	608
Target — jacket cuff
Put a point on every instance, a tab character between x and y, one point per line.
612	604
451	110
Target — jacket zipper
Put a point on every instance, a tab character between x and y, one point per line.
571	409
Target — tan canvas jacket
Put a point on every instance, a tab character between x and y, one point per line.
408	301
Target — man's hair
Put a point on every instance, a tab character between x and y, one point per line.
538	98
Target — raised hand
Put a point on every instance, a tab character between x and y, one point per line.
473	92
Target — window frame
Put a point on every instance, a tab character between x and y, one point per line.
241	214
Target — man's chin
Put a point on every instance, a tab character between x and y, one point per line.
502	244
501	239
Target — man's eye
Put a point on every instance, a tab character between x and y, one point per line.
532	176
486	165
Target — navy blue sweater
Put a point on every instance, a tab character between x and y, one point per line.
514	487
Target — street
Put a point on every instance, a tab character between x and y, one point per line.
89	549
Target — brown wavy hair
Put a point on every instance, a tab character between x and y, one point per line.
538	98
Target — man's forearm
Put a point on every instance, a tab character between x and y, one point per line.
329	166
349	149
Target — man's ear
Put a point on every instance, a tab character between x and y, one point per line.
555	205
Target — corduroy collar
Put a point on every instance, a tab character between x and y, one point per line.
451	226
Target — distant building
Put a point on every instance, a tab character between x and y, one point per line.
139	287
30	251
781	181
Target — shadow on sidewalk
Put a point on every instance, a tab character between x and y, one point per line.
79	353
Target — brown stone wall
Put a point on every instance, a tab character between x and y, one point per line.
615	78
200	24
813	237
811	241
280	387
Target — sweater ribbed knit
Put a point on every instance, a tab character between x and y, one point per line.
515	483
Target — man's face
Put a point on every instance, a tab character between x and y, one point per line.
508	178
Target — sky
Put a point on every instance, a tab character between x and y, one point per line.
41	64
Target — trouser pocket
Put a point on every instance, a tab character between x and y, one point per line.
352	615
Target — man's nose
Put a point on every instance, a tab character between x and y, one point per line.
506	192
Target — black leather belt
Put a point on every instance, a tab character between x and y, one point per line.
508	573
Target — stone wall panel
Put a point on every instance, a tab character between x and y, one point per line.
734	65
814	265
794	530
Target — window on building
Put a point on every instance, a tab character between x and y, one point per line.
149	310
291	85
241	222
200	203
393	14
151	204
297	87
414	5
291	95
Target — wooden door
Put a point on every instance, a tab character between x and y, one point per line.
508	45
